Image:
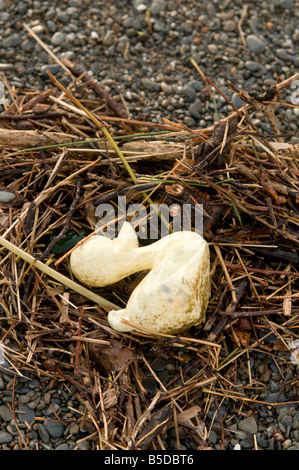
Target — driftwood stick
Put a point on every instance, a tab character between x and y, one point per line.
28	139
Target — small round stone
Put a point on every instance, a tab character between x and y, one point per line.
58	38
5	437
54	428
255	44
5	413
248	425
26	414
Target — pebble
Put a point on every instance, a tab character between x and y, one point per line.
255	44
282	54
157	7
275	398
230	26
84	445
54	428
248	425
253	66
51	26
5	437
53	68
26	414
5	413
63	447
237	101
58	38
43	433
189	93
195	109
149	84
6	196
159	365
213	438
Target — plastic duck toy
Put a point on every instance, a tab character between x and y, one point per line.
171	298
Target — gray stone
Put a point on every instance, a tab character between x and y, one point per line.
10	41
189	121
54	428
230	26
157	7
27	414
287	4
149	84
159	364
58	39
62	17
5	437
213	438
189	93
247	444
195	108
282	54
248	425
51	26
64	446
43	433
253	23
53	68
196	84
275	398
262	442
274	386
83	445
6	196
241	435
159	26
252	65
254	43
287	420
150	385
5	368
237	101
5	413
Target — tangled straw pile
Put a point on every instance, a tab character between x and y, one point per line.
57	164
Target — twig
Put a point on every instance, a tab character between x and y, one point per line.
56	275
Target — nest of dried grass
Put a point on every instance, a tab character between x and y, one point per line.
58	165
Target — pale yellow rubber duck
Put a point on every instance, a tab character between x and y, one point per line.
171	298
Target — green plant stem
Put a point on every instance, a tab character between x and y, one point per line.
110	139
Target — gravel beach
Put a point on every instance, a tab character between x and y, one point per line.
141	49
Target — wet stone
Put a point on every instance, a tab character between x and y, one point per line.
55	429
248	425
5	437
150	385
5	413
43	433
255	44
26	414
